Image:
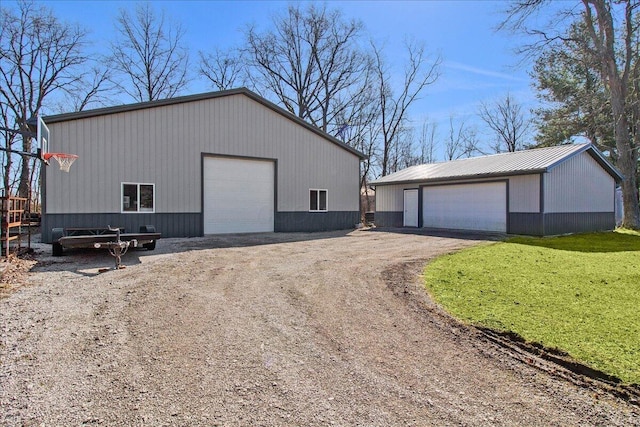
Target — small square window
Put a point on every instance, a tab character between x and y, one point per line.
318	201
138	197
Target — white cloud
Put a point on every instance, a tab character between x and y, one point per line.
483	72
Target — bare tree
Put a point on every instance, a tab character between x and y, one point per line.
224	69
613	32
310	62
358	128
149	55
462	140
428	143
94	89
419	72
402	154
506	118
39	55
8	140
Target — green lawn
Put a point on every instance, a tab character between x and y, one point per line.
579	294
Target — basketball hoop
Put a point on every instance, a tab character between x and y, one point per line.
65	160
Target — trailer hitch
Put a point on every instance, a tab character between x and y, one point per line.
117	249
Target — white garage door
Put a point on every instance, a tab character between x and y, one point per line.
238	195
480	206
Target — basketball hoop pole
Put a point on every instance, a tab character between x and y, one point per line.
26	133
23	133
22	153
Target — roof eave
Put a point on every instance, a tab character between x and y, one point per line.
606	165
460	178
597	156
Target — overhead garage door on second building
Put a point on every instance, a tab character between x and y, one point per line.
238	195
477	206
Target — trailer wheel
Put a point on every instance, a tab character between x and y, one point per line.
57	249
56	234
150	246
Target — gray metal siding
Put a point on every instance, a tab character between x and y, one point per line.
538	224
315	221
526	223
578	222
524	193
190	224
579	185
163	146
388	219
181	224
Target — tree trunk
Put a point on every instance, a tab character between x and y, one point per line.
23	187
627	154
617	82
25	171
7	175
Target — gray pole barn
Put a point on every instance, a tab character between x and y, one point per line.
220	162
545	191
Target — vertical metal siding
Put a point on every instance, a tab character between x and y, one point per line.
163	145
390	198
578	185
524	193
578	222
169	224
526	223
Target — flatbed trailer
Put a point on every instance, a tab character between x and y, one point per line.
113	238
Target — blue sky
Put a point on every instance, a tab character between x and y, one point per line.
478	62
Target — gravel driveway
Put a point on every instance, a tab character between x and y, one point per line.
266	330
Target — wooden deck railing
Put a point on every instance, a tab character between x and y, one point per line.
13	209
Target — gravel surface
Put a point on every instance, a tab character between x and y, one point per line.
285	329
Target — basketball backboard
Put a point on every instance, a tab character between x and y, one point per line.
42	136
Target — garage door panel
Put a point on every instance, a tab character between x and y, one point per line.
238	195
481	206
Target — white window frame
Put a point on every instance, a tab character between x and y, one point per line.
137	201
318	191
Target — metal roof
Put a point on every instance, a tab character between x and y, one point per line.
538	160
199	97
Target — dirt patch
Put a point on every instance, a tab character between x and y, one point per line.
14	271
274	329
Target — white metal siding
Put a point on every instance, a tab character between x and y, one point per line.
389	198
579	185
480	206
238	195
524	193
164	145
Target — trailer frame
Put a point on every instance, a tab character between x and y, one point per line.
115	239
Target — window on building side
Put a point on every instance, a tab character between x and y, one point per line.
317	200
138	197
